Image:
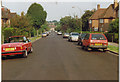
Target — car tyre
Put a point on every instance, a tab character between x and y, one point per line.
25	54
104	50
82	47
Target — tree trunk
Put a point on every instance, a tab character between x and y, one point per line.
37	32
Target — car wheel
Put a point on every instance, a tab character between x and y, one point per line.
69	40
104	50
31	50
25	54
82	47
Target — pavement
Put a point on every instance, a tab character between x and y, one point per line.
54	58
113	44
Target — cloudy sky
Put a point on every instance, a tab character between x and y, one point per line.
55	8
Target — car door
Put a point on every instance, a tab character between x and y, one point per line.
86	40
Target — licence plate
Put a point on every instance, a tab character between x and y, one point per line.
98	44
9	49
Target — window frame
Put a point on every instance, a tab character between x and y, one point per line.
101	20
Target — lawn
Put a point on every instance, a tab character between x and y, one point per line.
113	48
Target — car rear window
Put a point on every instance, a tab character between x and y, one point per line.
97	37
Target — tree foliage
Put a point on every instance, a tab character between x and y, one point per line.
37	15
85	19
114	26
21	23
69	24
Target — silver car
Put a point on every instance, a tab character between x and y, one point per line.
44	34
73	36
66	35
59	33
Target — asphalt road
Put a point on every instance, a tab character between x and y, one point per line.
54	58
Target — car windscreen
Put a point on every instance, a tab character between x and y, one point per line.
75	34
17	39
98	37
83	35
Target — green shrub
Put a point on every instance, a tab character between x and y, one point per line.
8	32
112	37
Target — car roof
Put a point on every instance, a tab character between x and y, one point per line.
95	33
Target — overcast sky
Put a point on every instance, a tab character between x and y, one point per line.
57	9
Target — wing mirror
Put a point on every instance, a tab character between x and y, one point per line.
29	40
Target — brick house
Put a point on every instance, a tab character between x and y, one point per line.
6	16
101	19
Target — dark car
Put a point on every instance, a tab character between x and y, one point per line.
80	39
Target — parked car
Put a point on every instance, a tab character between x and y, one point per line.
59	33
17	45
73	36
80	39
66	35
44	34
95	41
47	33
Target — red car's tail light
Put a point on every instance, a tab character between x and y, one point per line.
3	48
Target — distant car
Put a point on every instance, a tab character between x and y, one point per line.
80	39
66	35
95	41
73	36
17	45
44	34
59	33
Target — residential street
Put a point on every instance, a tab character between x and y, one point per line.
54	58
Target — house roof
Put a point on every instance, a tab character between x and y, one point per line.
6	13
97	13
108	13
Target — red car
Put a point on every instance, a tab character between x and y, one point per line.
17	45
95	41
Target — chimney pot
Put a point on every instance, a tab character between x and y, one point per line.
98	6
115	3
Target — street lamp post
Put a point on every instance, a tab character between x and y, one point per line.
80	15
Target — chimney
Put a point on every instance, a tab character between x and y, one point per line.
98	6
115	3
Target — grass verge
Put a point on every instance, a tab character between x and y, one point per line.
113	48
34	38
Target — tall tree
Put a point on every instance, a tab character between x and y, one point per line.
85	19
114	26
37	15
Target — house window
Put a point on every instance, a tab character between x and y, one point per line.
96	29
101	20
90	21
